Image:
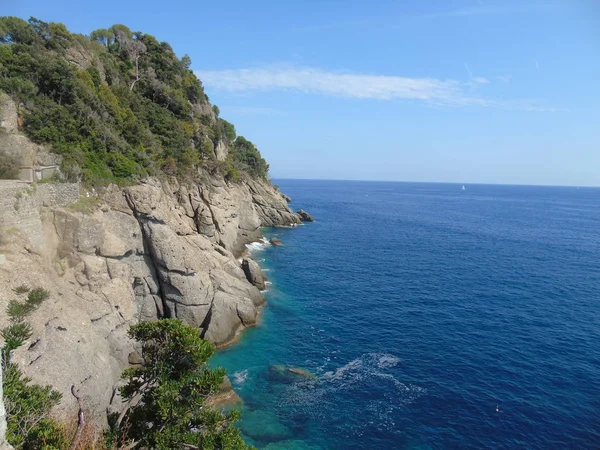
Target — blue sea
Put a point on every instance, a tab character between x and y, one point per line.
429	317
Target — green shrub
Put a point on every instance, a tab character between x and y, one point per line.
28	406
172	386
18	311
15	335
9	169
37	296
23	289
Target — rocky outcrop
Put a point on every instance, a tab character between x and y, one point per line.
225	397
158	249
253	273
304	216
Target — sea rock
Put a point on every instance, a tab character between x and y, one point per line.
276	242
225	397
304	216
284	374
264	426
253	273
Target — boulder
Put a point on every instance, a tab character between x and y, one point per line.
304	216
253	273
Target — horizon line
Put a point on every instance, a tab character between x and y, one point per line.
459	183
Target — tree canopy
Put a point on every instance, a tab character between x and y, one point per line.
118	105
166	396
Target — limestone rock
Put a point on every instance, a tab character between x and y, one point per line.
158	249
253	273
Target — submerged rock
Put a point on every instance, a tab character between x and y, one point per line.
264	426
304	216
276	242
284	374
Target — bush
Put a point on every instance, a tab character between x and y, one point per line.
28	406
172	387
9	168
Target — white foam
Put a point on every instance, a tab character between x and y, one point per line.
386	361
240	377
260	245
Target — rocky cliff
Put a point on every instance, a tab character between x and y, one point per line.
110	259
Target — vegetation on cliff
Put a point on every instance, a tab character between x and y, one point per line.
117	105
164	397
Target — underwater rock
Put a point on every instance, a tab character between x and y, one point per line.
284	374
264	426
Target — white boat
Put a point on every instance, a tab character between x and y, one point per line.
464	188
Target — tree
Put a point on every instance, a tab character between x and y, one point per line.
134	48
165	398
105	37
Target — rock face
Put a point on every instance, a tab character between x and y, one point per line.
253	273
304	216
158	249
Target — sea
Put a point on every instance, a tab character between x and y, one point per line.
425	316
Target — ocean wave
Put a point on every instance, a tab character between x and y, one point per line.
259	246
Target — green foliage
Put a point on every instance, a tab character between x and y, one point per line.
9	169
246	157
37	296
172	387
23	289
136	109
28	406
15	334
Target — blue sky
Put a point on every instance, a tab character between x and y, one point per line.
457	91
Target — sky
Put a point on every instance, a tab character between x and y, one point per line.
464	91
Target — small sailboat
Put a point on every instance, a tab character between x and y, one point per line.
464	188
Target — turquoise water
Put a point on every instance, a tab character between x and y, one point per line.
429	317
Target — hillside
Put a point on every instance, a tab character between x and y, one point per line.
116	105
132	202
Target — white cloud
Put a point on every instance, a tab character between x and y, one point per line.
311	80
504	78
350	85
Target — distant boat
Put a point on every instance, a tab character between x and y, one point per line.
464	188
